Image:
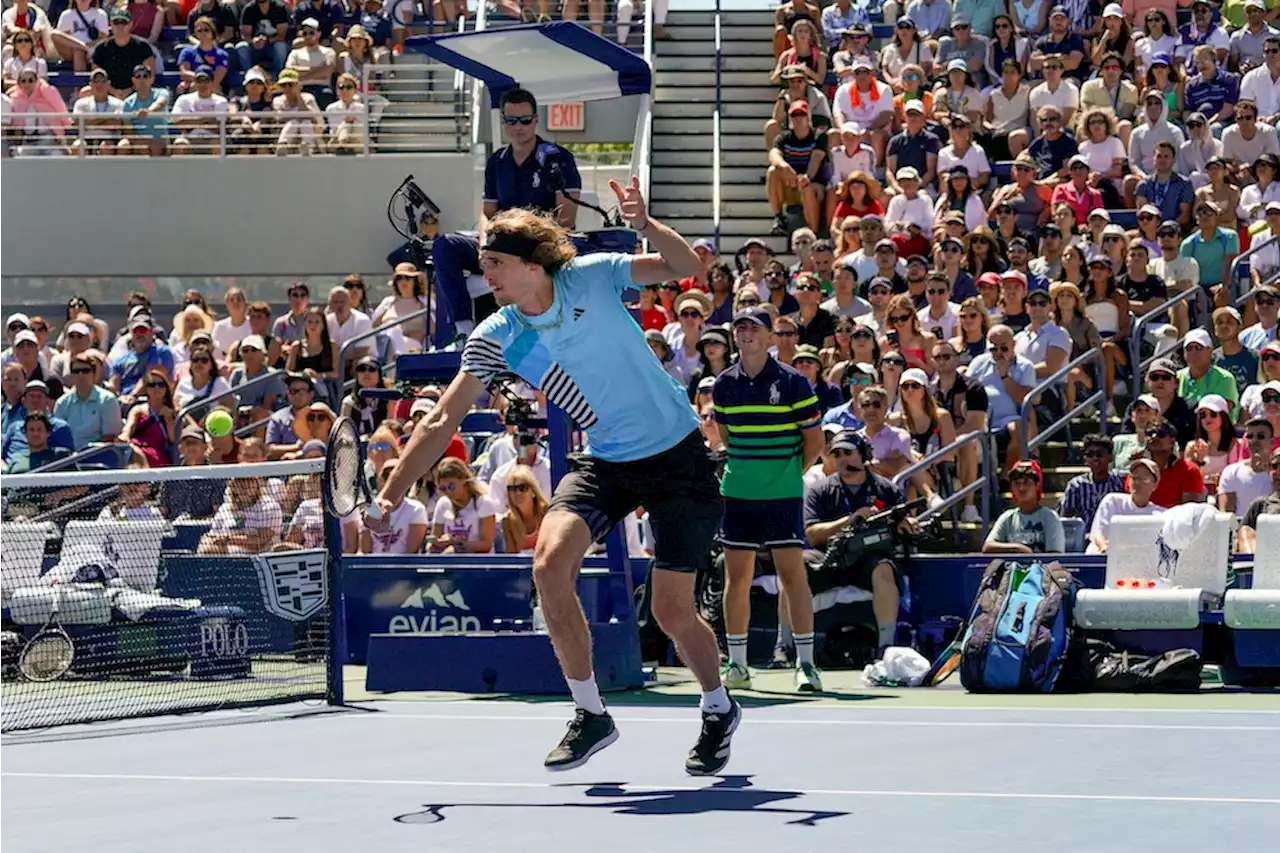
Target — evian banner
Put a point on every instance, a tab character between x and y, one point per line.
429	609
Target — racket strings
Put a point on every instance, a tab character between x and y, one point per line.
344	470
47	657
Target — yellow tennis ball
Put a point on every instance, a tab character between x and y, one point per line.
219	423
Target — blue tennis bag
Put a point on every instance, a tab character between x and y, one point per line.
1019	630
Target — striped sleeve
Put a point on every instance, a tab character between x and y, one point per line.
805	409
483	358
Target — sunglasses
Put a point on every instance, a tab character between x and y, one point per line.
899	319
879	291
518	488
202	360
1271	397
1265	301
836	454
1094	453
1257	436
999	348
871	404
1163	234
1160	377
299	389
368	368
942	356
346	87
787	334
30	80
447	487
893	362
937	291
800	287
82	370
863	335
691	313
298	294
1207	413
1043	303
157	385
911	386
512	121
142	75
317	417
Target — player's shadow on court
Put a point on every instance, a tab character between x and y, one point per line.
728	794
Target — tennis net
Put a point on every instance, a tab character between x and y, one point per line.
182	589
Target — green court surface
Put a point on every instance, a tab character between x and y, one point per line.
675	687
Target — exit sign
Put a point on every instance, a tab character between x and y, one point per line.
570	115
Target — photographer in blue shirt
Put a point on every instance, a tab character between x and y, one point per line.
529	172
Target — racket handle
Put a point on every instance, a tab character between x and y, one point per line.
380	394
373	510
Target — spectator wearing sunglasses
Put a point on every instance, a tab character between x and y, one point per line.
24	58
1007	379
263	396
1248	479
368	414
314	63
1266	303
1085	492
1258	85
205	52
1180	479
24	16
146	107
283	429
1162	387
91	411
121	53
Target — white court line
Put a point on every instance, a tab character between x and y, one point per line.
812	705
551	786
753	720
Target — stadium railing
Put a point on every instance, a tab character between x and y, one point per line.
982	483
1241	281
235	391
373	333
92	456
1137	364
715	136
1097	398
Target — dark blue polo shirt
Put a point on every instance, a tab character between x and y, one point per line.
509	184
1068	45
1208	96
831	499
914	150
1050	155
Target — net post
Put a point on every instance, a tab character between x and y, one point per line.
338	653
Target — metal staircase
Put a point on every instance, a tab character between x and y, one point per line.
684	102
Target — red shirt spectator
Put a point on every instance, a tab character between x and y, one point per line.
1176	480
1077	193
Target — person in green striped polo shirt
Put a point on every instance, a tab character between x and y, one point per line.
771	425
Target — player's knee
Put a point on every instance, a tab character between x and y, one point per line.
882	576
673	612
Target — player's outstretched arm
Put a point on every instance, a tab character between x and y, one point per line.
430	439
675	258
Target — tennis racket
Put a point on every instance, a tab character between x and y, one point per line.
49	654
945	665
349	480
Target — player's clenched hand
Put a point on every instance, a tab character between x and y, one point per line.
379	524
631	203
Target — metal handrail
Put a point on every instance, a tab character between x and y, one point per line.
1136	361
1097	397
983	482
642	139
478	107
1253	249
373	333
95	449
234	391
715	138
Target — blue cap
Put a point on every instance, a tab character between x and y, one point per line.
204	71
1161	59
760	316
705	244
1059	10
904	19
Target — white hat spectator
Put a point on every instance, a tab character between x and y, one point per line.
1198	336
862	63
26	336
1256	4
1100	211
79	329
1272	206
18	319
1144	462
253	342
913	106
1114	10
1115	229
1151	209
957	65
1148	400
421	406
255	74
908	173
706	383
915	375
311	22
1214	403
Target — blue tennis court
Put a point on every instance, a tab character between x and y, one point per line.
466	775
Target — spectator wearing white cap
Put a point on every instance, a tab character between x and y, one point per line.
35	400
197	115
1215	445
90	411
26	352
1143	477
1262	84
99	125
77	339
867	102
1042	342
958	95
1266	303
1265	260
910	211
1245	480
263	396
1201	377
314	62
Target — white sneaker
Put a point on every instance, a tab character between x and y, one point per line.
971	515
935	500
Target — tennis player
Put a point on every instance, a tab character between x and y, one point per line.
563	328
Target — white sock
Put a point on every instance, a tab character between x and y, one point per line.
737	648
804	648
887	633
715	701
626	8
586	695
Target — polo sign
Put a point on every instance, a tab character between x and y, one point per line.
569	115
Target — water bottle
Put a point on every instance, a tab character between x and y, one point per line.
539	624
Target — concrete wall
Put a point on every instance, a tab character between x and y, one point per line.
204	216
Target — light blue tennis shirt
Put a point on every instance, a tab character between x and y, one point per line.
589	357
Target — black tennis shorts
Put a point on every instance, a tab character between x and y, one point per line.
678	487
756	525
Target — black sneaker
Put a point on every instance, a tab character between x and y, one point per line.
780	226
711	753
588	734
